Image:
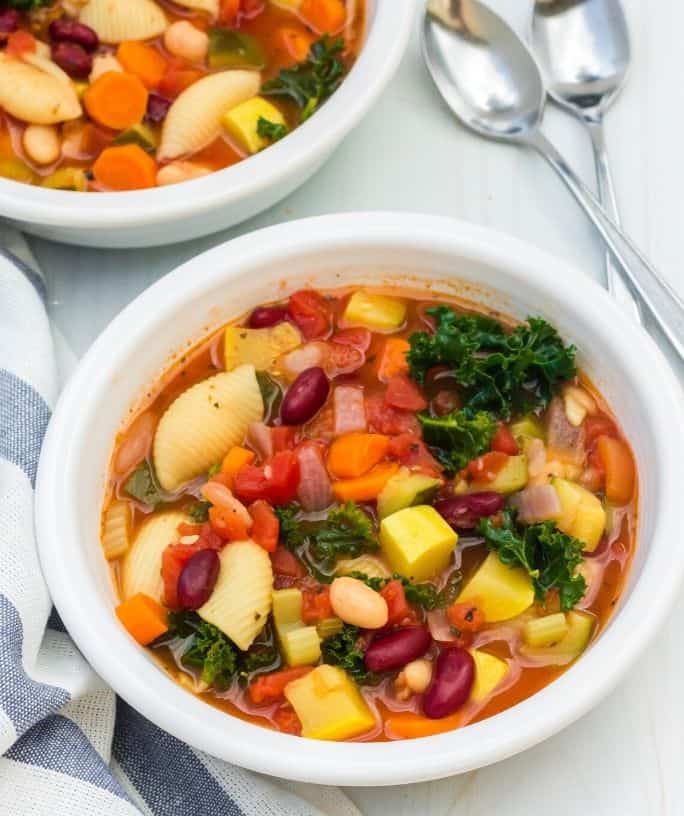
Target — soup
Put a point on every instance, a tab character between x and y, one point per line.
107	95
365	515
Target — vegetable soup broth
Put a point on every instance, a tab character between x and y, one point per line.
568	513
72	148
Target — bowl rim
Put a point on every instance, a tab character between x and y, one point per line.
387	32
122	663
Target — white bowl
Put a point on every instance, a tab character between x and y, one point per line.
416	250
166	215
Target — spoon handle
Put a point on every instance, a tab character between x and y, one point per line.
619	289
664	304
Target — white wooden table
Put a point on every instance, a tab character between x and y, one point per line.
627	756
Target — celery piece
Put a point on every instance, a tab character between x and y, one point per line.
545	631
511	478
301	646
141	135
287	607
233	49
529	427
329	627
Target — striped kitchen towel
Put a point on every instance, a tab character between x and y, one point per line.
69	747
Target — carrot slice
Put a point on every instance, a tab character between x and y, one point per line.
116	100
236	458
143	617
125	167
407	725
367	487
393	360
325	16
354	454
143	61
618	466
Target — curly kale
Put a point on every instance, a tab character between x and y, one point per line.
274	131
344	650
425	595
502	372
142	485
24	5
457	438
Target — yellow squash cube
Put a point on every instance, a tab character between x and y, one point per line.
377	312
417	542
582	514
329	705
499	591
489	672
259	347
241	123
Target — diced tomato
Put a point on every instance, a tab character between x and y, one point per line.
174	558
269	688
485	468
251	8
344	359
385	419
285	563
466	617
411	452
277	481
393	358
20	42
403	393
228	11
210	538
178	77
228	523
595	426
358	338
398	608
223	478
316	605
266	526
311	312
287	720
504	441
283	437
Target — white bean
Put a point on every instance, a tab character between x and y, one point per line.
417	675
182	39
42	143
103	64
358	604
179	171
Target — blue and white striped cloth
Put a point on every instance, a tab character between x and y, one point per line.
69	747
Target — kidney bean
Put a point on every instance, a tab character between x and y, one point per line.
305	397
73	59
464	512
74	32
397	648
198	578
266	316
157	108
9	21
452	679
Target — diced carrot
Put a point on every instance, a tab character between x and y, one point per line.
504	441
618	465
393	360
143	617
20	42
324	16
142	60
266	526
228	523
269	688
595	426
407	725
367	487
94	140
125	167
316	606
354	454
236	458
117	100
466	617
295	42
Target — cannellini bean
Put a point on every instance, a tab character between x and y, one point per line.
358	604
179	171
102	64
42	143
183	40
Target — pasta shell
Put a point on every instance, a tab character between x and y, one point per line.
141	568
194	119
117	20
45	64
241	601
260	347
210	6
203	423
35	96
115	530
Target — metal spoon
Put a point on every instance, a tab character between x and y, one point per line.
491	82
584	52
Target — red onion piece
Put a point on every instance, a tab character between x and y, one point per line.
440	628
562	437
309	355
537	503
350	409
314	491
260	440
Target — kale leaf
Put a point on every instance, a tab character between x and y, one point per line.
498	371
24	5
199	511
271	130
142	485
271	394
344	650
311	82
549	556
425	595
457	438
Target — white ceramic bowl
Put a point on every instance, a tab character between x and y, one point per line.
451	257
169	214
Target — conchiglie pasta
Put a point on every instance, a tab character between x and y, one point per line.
203	423
45	64
194	119
35	96
241	601
117	21
115	524
141	567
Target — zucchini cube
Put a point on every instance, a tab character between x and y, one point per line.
417	542
377	312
